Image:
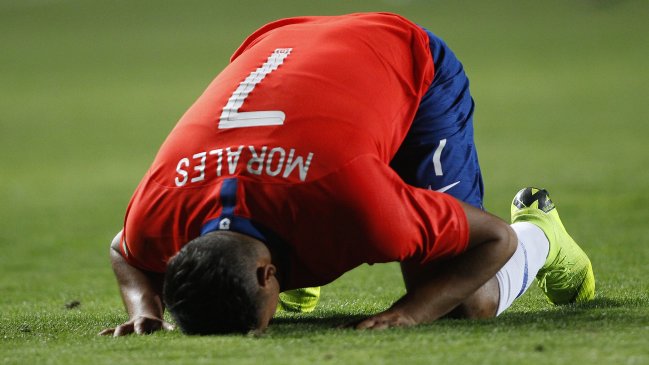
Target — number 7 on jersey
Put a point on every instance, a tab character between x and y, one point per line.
232	118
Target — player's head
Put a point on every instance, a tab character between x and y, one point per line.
222	282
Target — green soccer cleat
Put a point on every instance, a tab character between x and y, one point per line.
567	275
299	300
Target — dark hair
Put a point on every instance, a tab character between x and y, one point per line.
210	286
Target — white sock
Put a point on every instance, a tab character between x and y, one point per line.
518	273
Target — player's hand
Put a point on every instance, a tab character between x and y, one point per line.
387	319
140	325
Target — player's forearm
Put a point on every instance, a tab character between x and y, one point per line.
433	292
141	291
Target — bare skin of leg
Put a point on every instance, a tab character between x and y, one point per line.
437	288
483	303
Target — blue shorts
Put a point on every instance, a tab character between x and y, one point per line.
439	152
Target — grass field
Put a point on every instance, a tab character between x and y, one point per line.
89	89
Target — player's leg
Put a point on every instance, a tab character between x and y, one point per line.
439	152
449	165
545	250
512	280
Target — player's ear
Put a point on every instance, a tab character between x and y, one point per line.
265	273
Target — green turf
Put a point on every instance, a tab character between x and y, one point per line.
89	89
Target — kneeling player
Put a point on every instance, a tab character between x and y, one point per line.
319	148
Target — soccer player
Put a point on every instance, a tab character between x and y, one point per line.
326	143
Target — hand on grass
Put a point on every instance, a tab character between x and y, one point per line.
387	319
140	325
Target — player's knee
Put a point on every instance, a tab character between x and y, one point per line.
506	239
481	304
512	241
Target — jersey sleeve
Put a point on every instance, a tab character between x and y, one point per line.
159	222
406	222
365	213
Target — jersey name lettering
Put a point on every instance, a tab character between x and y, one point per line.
274	162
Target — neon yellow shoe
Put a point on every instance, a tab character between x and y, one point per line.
567	275
299	300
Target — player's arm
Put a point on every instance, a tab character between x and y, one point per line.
433	290
141	293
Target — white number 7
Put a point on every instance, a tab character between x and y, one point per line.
231	118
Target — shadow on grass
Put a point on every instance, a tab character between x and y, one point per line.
598	314
324	319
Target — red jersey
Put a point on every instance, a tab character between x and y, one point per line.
291	144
